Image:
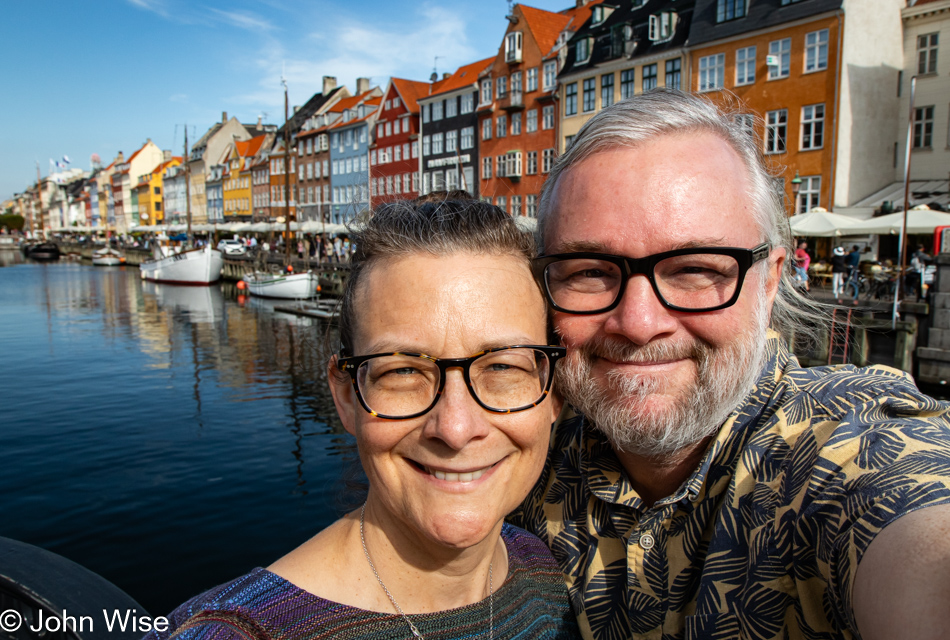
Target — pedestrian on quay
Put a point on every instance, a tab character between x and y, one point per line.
838	270
443	377
854	258
915	275
706	485
802	261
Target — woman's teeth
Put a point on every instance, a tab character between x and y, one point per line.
458	477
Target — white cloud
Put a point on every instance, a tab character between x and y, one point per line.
242	20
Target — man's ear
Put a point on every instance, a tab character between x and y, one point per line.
344	395
776	264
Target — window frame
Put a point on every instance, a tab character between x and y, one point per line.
746	63
785	58
817	50
712	64
776	132
812	127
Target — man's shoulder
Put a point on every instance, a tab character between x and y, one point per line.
838	384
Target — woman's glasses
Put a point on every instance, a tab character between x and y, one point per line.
401	385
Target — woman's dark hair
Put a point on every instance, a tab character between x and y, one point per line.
435	228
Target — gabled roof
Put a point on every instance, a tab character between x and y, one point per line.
372	102
545	26
410	91
463	77
249	148
296	120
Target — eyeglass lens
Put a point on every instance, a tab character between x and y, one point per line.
403	385
691	281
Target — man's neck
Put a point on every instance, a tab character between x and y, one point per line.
655	478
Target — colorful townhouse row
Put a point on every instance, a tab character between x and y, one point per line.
824	85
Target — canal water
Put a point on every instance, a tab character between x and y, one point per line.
168	438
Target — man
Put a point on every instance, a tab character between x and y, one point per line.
714	488
802	260
854	258
918	267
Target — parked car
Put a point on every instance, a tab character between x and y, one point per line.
232	247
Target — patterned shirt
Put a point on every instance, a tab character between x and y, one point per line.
764	538
532	603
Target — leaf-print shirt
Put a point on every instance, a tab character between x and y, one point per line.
764	538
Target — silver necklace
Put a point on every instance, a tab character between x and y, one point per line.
415	631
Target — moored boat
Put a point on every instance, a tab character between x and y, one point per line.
107	257
192	267
290	286
44	251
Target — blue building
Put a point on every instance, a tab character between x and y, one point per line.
350	139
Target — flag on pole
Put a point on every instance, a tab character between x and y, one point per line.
65	160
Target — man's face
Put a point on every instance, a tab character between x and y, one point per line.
653	379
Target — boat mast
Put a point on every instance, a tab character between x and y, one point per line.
39	197
286	177
187	188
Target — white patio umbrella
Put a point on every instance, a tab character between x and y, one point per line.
918	221
238	227
261	227
822	224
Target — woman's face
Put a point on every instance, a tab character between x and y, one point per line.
448	307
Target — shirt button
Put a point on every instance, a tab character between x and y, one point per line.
647	541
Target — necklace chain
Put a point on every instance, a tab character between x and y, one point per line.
415	631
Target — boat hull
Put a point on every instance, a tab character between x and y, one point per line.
107	258
293	286
196	267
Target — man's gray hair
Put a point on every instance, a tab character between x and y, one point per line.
636	120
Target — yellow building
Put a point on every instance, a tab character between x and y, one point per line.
150	192
237	181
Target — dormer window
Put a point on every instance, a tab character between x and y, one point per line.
601	13
730	9
582	50
662	26
513	43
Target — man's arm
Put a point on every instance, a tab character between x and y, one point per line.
902	585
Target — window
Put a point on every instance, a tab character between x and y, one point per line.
389	128
627	78
500	166
513	47
468	137
568	141
673	78
816	50
501	126
746	122
309	172
486	91
486	129
813	126
547	115
547	160
649	77
486	168
468	179
516	124
436	143
405	151
570	99
451	179
451	107
532	163
397	153
606	90
923	127
550	74
426	182
745	66
531	79
582	51
501	86
712	71
776	130
415	182
590	94
415	148
426	145
502	203
451	142
436	110
530	205
516	205
512	163
532	120
780	58
927	53
516	82
729	9
468	103
809	194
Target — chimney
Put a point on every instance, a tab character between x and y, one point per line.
259	125
120	158
446	75
296	108
166	155
362	85
329	84
224	117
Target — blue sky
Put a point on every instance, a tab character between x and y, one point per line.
79	78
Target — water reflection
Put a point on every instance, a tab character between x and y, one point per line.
10	256
192	437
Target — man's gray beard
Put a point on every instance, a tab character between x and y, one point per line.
724	377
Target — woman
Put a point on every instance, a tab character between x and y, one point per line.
451	413
839	267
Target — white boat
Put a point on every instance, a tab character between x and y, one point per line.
106	257
290	286
193	267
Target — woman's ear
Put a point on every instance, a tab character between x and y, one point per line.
344	396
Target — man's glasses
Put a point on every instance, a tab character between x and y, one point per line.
697	279
400	385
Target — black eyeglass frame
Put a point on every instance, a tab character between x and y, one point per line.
351	365
745	258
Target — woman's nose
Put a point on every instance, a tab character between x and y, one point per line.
457	418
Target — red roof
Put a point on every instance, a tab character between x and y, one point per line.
463	76
545	26
249	148
579	15
411	90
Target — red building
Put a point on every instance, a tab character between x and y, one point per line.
517	110
394	153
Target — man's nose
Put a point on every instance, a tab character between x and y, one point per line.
457	418
640	316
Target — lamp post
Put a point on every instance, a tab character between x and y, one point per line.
796	187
